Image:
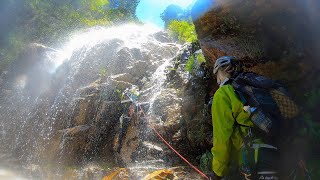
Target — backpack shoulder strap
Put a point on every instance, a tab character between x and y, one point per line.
256	80
241	96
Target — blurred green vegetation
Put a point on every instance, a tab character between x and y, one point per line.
200	58
103	72
189	64
183	31
50	21
314	168
194	62
179	24
312	129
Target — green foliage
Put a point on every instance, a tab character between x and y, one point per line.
314	168
189	64
313	98
183	31
93	12
310	131
103	72
96	5
8	54
90	13
194	62
313	128
123	9
206	162
200	58
311	115
48	21
43	21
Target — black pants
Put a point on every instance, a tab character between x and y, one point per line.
268	162
266	167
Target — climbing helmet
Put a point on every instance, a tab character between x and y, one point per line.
222	61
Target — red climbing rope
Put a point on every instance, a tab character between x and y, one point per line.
163	140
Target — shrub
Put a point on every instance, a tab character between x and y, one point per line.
47	21
201	58
189	64
183	31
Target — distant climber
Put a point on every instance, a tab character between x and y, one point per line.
124	124
246	116
130	108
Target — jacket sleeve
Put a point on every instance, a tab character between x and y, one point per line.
222	122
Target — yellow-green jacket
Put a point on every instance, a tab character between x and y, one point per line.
227	141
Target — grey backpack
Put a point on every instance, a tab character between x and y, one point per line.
270	104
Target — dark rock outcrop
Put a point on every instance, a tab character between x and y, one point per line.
278	39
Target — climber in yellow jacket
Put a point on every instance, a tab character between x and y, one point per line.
226	107
227	112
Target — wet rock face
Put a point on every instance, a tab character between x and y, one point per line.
77	118
85	116
175	111
273	38
181	106
167	105
90	126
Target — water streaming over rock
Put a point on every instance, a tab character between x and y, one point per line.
62	106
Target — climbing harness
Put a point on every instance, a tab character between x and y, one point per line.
250	154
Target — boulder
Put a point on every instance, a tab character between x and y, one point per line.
167	105
75	144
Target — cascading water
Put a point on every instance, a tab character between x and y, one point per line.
64	108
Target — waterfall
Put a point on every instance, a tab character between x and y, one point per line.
63	105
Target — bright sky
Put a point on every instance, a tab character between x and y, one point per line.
148	11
